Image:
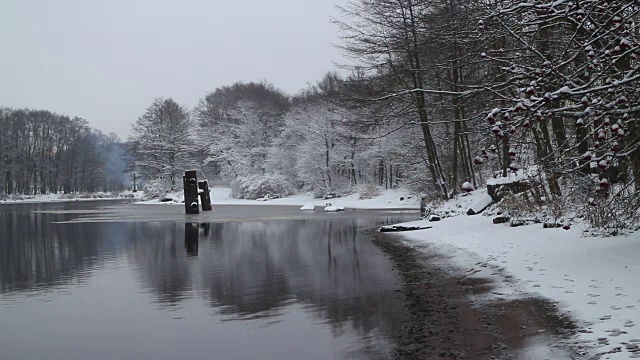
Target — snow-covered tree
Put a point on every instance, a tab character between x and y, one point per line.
238	124
162	140
569	94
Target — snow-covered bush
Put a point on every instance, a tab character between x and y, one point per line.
610	215
523	205
331	193
89	195
369	192
11	197
158	188
261	186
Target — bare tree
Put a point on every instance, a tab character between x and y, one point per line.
43	152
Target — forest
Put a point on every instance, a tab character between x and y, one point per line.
42	152
436	93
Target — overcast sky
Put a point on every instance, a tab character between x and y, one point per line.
106	60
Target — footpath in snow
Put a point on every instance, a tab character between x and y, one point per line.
595	280
388	199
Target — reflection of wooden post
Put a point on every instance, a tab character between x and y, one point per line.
135	189
206	227
205	198
191	232
190	184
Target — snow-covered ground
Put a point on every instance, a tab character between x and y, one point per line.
388	199
71	197
593	279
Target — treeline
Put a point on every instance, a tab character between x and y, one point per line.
261	141
42	152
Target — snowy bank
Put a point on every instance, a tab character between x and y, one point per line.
593	279
388	199
20	199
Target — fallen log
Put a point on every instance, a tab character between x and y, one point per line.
399	228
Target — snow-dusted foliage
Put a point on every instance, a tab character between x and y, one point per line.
572	105
509	86
324	147
158	188
311	142
271	186
238	125
162	141
368	192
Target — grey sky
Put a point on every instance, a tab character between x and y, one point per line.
105	60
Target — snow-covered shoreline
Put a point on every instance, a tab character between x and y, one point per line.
592	279
387	199
57	198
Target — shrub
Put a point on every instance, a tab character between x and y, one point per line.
261	186
157	188
369	192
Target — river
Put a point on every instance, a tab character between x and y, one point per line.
103	280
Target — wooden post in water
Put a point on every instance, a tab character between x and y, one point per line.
190	185
205	198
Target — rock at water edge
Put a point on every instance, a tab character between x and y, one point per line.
334	208
308	206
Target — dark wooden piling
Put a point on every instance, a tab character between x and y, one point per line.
190	184
205	198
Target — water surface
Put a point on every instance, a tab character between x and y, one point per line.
104	281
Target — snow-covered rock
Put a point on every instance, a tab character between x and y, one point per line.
333	208
481	204
308	206
467	187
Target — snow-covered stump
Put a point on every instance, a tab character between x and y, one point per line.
190	184
205	197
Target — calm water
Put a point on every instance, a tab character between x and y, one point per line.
104	281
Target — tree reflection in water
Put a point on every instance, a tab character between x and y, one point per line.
253	270
243	270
